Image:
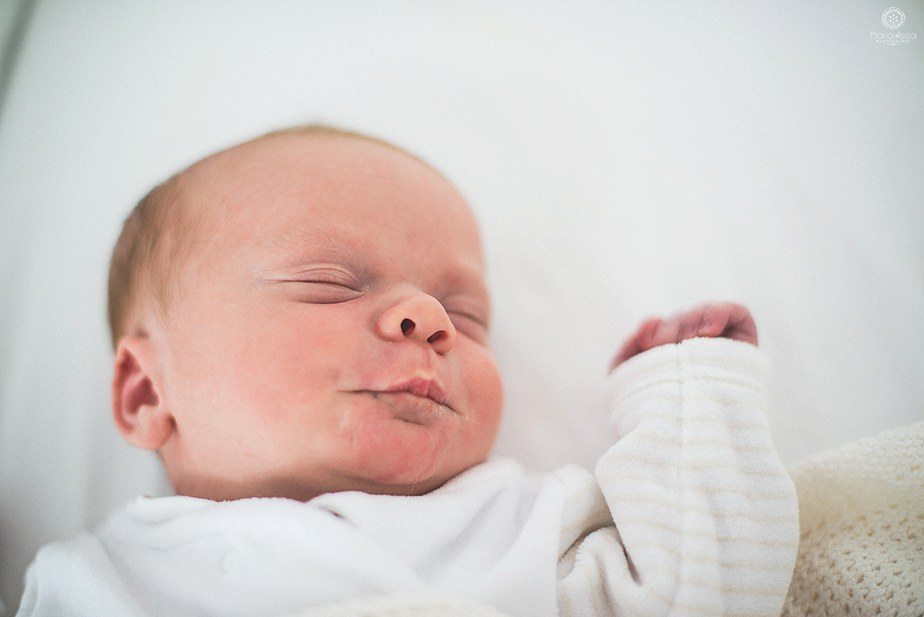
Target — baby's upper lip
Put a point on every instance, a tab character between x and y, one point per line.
421	386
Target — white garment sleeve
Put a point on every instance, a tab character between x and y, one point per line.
704	519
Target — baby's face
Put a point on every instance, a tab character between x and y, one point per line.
331	270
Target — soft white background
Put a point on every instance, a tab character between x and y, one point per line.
624	160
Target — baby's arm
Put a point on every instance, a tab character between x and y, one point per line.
705	515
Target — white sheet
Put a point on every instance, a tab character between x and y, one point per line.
623	161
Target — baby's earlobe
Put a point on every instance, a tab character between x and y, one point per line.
153	428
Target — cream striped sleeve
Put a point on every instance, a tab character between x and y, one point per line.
704	518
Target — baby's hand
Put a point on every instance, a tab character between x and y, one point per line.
726	320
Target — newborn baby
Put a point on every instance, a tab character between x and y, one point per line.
300	327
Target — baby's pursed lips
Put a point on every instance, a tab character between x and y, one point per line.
420	386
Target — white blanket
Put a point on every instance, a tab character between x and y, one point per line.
689	513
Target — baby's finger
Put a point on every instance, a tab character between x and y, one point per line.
729	320
637	343
645	336
668	332
629	349
741	326
690	323
714	321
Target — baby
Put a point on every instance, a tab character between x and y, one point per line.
300	326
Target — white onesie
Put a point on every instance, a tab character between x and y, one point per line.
690	513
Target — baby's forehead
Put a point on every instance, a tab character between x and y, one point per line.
339	192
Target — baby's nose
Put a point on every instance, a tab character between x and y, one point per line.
420	318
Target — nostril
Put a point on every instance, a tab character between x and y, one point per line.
407	326
437	336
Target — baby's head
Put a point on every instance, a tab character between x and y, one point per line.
264	302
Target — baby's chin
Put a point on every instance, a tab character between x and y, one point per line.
399	444
398	455
387	476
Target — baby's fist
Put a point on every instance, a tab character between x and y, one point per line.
725	320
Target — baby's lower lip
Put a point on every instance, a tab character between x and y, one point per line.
412	408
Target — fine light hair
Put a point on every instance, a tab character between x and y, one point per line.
160	233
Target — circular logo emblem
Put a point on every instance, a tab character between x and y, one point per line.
893	18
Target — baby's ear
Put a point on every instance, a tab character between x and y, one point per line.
140	414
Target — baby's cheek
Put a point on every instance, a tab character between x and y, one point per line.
291	370
486	394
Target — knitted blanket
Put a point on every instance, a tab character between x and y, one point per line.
861	544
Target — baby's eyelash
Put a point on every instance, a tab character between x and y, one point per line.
470	317
322	282
320	291
330	276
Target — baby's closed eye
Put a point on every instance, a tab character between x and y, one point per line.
325	292
324	285
469	322
475	319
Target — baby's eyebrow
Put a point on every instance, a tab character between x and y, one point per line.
297	240
470	281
